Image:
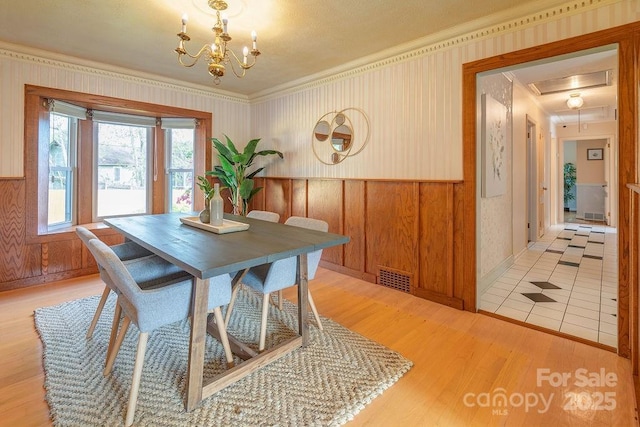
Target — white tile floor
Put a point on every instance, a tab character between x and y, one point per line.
579	259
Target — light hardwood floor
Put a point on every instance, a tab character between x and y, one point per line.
459	359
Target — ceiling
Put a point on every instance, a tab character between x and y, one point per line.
299	40
600	103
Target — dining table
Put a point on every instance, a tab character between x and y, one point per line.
205	254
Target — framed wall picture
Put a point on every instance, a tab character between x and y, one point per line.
494	140
594	153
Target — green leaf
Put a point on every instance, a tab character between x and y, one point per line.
232	147
222	150
245	189
254	173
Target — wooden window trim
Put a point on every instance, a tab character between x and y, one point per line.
36	142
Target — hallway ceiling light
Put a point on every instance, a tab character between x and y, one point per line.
575	101
575	82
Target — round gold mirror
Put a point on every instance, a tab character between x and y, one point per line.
333	137
322	130
341	138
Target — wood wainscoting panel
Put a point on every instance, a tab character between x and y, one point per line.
354	215
436	242
277	197
325	202
391	226
17	259
61	256
298	201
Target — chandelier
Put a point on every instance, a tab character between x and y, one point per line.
217	55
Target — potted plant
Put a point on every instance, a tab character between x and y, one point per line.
207	190
569	182
233	171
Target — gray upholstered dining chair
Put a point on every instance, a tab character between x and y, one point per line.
281	274
264	215
152	308
256	214
152	271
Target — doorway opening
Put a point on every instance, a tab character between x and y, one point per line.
555	274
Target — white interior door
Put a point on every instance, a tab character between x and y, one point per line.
540	185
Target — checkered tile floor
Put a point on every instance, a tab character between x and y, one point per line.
567	282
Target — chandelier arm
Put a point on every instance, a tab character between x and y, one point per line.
242	71
196	57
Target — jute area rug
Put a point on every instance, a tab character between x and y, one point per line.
326	383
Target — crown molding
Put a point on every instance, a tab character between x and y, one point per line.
515	19
50	59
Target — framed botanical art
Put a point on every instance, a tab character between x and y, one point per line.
494	153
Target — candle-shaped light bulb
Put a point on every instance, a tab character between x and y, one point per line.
185	19
254	37
245	53
225	21
214	48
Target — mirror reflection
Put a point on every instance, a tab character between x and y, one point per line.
341	138
321	130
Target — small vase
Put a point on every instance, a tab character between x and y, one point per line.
216	206
205	215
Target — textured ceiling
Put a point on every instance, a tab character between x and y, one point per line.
298	38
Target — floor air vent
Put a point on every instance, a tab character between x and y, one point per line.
395	279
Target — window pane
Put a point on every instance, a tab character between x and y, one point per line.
181	149
180	169
181	191
122	170
60	170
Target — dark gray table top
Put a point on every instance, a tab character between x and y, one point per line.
206	254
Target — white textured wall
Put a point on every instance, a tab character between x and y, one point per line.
19	69
495	233
414	100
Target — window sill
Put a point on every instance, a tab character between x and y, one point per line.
69	233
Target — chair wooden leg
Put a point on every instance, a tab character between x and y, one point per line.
263	322
115	325
222	329
135	381
234	294
96	316
116	347
314	310
280	305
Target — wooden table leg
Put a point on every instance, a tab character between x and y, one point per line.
303	291
199	299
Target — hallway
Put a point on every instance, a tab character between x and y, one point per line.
565	282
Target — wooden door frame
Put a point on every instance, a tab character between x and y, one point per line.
627	38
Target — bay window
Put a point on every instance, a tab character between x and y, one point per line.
89	157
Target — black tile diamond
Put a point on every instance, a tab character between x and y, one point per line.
591	241
599	232
592	256
564	238
546	285
554	251
537	297
583	235
577	246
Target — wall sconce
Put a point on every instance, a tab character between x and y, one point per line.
575	101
